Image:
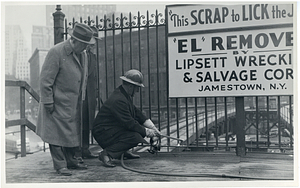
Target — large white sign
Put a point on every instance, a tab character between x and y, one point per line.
187	18
242	62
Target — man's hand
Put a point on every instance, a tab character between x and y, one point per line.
49	107
150	125
150	132
157	132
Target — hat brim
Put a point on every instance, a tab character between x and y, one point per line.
132	82
97	38
92	41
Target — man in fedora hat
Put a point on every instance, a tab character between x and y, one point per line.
62	82
119	125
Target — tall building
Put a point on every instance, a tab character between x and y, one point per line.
12	32
42	37
16	53
36	62
22	65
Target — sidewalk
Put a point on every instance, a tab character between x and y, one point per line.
38	168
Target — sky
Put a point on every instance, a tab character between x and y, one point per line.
28	14
31	15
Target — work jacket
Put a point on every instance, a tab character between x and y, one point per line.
61	81
117	115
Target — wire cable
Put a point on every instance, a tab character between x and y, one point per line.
197	174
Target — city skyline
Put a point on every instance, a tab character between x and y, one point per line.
35	14
36	22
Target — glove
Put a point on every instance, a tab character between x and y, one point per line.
150	133
49	107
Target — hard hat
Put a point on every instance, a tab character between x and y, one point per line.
134	77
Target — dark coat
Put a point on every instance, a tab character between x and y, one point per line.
60	83
116	116
91	91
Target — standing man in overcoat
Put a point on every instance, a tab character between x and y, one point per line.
62	80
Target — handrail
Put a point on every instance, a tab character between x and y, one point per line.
23	122
25	85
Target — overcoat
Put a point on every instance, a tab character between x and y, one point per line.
61	81
118	115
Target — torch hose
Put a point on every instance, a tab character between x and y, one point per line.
196	174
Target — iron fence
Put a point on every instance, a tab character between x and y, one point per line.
139	41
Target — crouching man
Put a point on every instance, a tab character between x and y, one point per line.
119	125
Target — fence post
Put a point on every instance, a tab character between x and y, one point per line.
58	18
23	127
240	124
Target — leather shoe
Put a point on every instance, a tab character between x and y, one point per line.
130	155
105	159
78	167
64	172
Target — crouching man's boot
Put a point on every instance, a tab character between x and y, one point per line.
106	160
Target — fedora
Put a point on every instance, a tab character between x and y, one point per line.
82	33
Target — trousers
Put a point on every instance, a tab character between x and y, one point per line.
62	157
122	142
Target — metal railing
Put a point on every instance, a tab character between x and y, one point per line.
23	122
